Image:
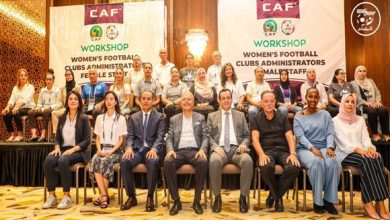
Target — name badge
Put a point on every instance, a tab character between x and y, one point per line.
91	104
287	101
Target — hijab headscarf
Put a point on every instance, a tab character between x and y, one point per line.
204	87
284	85
70	84
364	83
347	117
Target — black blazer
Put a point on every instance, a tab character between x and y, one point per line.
154	136
83	135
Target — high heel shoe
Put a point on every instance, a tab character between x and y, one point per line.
383	216
104	204
373	216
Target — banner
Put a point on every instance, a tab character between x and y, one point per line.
104	37
282	34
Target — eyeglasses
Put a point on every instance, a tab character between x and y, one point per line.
68	74
49	79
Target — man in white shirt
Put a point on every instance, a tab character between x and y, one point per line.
162	70
214	71
253	92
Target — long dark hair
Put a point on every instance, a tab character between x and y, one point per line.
336	73
117	107
79	108
223	75
286	84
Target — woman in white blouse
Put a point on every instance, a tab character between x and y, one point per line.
230	81
20	102
354	148
110	130
122	90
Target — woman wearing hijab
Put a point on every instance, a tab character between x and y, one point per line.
286	96
64	91
204	92
370	97
354	148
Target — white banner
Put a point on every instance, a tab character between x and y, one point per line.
289	34
104	37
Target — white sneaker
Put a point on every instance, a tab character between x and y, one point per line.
50	202
66	203
18	139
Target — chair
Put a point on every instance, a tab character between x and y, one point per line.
186	169
74	168
353	171
140	168
278	171
227	169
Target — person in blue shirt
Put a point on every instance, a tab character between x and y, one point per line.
93	95
314	131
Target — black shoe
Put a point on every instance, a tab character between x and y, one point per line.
130	202
329	207
269	202
318	209
33	139
175	208
217	204
243	205
150	204
41	139
279	205
197	207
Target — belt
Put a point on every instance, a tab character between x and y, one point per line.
188	148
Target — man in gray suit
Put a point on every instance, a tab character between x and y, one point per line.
229	139
146	130
187	143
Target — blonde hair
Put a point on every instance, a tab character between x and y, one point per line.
122	85
18	76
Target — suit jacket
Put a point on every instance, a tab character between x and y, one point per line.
214	124
82	135
154	136
198	125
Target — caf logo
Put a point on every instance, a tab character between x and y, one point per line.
112	32
287	27
365	18
270	27
96	33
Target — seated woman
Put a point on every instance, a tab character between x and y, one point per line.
122	90
369	96
71	146
286	96
20	102
205	95
70	85
110	130
49	99
311	81
171	95
230	81
336	90
354	148
314	131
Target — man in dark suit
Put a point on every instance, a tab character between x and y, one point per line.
229	139
144	142
187	143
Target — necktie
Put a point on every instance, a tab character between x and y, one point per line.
144	129
226	136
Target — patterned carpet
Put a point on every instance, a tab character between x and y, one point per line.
26	203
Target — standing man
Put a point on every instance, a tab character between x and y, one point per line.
188	73
162	71
147	83
187	143
214	71
274	143
254	91
229	139
93	95
145	138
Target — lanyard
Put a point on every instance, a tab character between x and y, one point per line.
281	88
90	90
112	127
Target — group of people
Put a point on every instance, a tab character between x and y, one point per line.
205	126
